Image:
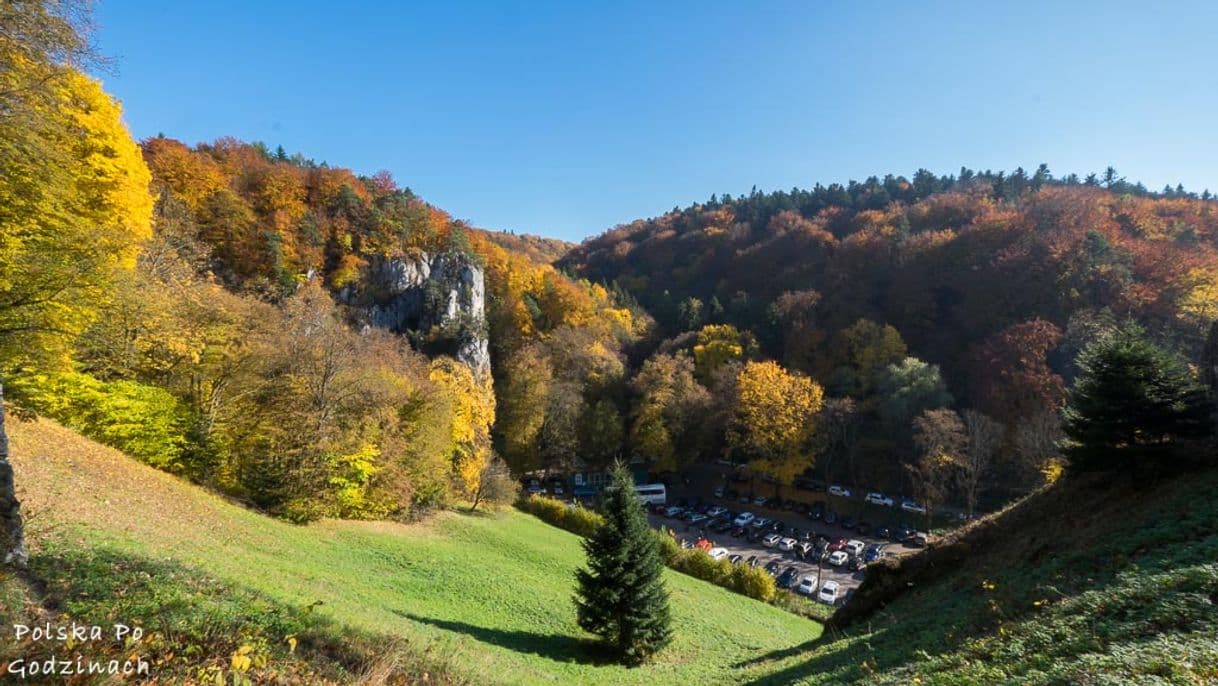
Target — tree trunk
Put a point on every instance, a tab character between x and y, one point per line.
12	533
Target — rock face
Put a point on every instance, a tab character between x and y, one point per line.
439	301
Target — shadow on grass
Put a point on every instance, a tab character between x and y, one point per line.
557	647
194	620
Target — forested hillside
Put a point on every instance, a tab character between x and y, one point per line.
971	292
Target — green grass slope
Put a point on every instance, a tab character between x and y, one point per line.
478	598
1097	581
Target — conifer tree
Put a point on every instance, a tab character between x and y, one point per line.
1132	403
621	595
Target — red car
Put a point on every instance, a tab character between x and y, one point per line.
839	544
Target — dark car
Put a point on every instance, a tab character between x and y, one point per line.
657	508
752	561
883	532
754	534
872	552
787	578
903	535
772	567
849	523
738	532
863	528
778	527
855	564
735	558
722	526
817	510
830	517
793	532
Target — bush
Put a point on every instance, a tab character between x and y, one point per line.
577	520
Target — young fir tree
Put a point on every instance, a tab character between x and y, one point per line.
621	595
1132	404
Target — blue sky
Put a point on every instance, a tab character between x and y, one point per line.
566	118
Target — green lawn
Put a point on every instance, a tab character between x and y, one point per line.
486	596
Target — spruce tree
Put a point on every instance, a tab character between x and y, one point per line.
621	595
1132	404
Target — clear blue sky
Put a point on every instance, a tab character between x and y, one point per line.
566	118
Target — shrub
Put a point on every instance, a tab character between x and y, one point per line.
577	520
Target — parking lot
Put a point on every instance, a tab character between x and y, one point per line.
699	494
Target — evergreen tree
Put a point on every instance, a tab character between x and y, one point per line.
1132	403
621	595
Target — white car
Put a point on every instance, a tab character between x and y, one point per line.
717	553
913	506
761	522
855	547
839	558
807	585
787	544
744	519
878	499
839	491
697	519
716	511
828	593
673	511
760	500
771	540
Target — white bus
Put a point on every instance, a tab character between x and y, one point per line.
652	494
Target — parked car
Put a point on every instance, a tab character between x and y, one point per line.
919	540
735	557
839	558
760	500
855	564
903	535
754	535
875	498
761	523
746	500
715	511
657	508
722	526
752	561
817	510
804	550
744	519
828	593
883	532
873	552
771	540
786	545
772	567
719	491
830	517
855	547
697	518
787	578
837	544
807	585
673	511
717	553
913	506
839	491
777	527
863	528
737	532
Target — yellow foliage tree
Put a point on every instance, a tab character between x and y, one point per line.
775	419
473	413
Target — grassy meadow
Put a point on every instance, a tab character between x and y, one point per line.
483	598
